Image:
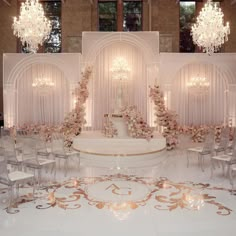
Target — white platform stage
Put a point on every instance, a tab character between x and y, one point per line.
96	148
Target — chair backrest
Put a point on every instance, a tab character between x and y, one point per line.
9	145
208	146
210	136
225	132
233	144
224	143
4	179
58	146
28	148
234	155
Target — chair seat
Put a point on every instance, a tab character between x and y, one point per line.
43	153
233	167
19	175
45	161
226	158
38	163
65	155
196	149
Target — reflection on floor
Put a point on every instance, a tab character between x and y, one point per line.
161	197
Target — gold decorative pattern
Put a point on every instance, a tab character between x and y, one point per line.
167	195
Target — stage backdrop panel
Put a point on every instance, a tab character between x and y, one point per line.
141	52
25	104
218	105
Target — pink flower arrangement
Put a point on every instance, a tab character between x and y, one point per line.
75	120
109	130
137	127
165	118
45	131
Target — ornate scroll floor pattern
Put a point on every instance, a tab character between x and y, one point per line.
119	193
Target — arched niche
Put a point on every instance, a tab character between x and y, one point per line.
172	63
41	105
208	107
140	50
20	70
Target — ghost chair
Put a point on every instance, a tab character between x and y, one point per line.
201	152
232	170
13	180
11	152
226	160
61	153
222	146
32	159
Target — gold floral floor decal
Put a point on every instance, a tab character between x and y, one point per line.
125	192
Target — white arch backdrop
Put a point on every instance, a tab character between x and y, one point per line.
140	50
171	70
22	104
216	107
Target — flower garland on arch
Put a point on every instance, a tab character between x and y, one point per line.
75	120
165	118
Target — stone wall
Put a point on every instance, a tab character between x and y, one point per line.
230	16
165	19
77	16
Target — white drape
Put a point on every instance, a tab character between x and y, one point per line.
103	88
208	109
35	107
231	94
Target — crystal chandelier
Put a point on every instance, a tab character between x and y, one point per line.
198	85
32	27
120	69
43	84
209	32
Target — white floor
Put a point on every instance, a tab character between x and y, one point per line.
155	197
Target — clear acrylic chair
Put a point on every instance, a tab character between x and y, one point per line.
222	146
205	150
42	148
225	160
12	152
232	170
33	159
59	152
13	180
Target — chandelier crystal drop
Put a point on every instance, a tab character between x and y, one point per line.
120	68
43	85
32	27
198	85
209	32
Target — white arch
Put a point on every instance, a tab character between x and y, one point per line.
147	42
16	64
176	61
29	60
